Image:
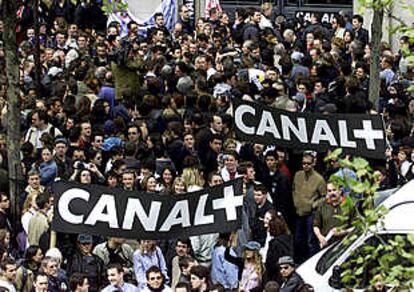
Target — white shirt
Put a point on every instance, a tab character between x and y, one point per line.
9	286
166	289
125	288
265	248
26	219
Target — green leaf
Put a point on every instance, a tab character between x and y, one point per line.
360	163
410	238
359	271
334	155
410	60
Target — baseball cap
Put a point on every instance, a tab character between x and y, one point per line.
286	260
85	238
252	245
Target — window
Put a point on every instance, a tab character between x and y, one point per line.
330	256
327	2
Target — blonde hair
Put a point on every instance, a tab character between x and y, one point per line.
176	181
228	142
211	28
192	176
258	265
29	200
267	5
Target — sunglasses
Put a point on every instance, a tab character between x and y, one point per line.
156	278
284	267
307	163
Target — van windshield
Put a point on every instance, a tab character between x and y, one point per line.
331	255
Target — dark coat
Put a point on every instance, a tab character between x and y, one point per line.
238	32
66	11
251	32
209	162
281	193
258	228
279	246
202	139
292	283
354	103
92	266
362	36
188	26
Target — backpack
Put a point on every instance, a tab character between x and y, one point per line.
25	273
22	241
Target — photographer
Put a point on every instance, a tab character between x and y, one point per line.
86	173
127	69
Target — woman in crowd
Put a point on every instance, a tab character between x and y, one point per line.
250	266
280	245
179	186
26	272
47	166
149	184
166	180
199	276
29	210
5	241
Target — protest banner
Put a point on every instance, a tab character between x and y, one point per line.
357	134
104	211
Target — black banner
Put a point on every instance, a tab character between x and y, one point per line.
356	134
104	211
191	5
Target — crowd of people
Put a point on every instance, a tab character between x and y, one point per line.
152	111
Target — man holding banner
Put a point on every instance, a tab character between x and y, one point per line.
102	211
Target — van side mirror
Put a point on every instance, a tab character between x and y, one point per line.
335	279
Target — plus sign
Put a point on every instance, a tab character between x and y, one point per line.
229	202
369	134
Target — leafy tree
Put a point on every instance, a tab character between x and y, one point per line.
389	258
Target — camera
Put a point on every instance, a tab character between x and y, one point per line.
81	165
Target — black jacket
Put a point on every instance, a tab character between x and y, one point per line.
188	26
362	36
279	246
251	32
281	194
67	11
258	229
92	266
292	283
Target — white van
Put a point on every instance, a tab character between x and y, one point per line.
318	270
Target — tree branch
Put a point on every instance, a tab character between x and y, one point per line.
394	17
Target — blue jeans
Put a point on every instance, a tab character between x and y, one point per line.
306	244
